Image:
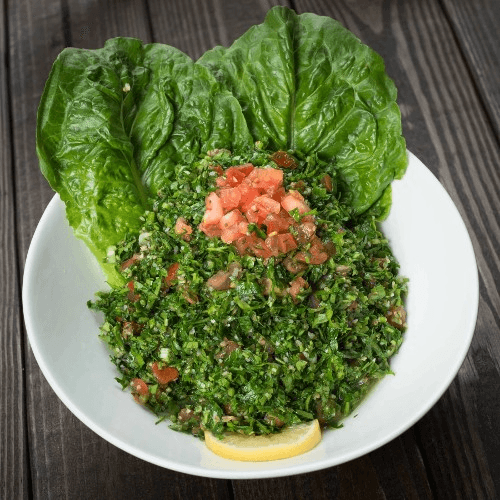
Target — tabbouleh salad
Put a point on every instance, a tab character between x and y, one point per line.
239	315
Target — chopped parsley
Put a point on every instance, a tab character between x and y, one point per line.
251	356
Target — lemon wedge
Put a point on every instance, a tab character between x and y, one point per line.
290	442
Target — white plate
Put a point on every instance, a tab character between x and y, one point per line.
428	237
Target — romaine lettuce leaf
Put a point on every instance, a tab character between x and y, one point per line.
306	83
114	122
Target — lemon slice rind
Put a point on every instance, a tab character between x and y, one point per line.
290	442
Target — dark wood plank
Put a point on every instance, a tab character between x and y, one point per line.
90	24
195	27
356	479
14	462
476	28
401	470
69	460
453	451
446	126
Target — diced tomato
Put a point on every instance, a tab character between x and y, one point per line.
278	223
218	169
182	228
296	286
261	207
235	175
260	249
318	258
129	262
267	205
214	209
222	280
222	182
319	253
303	257
290	202
230	198
139	387
244	243
272	244
277	194
286	243
243	227
211	230
305	231
234	232
246	168
171	274
164	375
230	234
283	159
133	297
248	194
265	178
252	214
254	245
326	180
296	194
232	218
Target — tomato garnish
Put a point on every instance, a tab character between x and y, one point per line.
255	195
283	159
171	274
165	375
133	297
139	387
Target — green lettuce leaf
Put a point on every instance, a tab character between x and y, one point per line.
115	124
307	84
112	125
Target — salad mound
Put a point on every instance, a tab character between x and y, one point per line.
249	290
223	329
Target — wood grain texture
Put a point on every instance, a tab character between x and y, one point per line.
14	459
195	27
446	125
475	25
90	23
443	57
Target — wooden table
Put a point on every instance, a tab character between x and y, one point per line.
445	59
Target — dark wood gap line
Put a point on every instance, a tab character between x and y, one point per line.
149	21
17	246
419	442
230	489
66	23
